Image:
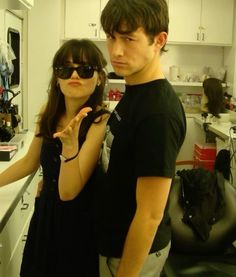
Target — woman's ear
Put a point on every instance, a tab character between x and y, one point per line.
100	78
98	82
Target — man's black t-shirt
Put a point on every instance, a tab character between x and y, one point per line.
146	131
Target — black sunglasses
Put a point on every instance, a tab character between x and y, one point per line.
84	71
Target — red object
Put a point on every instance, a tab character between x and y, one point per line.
1	90
205	152
114	95
204	156
207	164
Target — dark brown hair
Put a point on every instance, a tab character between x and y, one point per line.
214	92
81	51
152	15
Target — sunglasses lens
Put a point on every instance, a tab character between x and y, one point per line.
85	71
64	72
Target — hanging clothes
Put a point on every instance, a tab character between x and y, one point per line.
6	66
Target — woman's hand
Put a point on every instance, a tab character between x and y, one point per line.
69	136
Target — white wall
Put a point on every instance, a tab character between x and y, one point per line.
44	26
189	58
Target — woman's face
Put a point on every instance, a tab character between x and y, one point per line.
79	83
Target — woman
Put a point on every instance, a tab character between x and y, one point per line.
67	144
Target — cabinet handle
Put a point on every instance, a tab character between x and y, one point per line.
96	32
203	36
25	206
24	238
92	24
198	36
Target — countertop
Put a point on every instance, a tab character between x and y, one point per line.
223	130
11	194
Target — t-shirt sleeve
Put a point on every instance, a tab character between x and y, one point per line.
157	143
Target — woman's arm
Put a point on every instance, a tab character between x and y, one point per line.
75	173
23	167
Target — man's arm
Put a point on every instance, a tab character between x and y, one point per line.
151	196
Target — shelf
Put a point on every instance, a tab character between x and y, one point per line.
183	84
116	81
187	84
194	84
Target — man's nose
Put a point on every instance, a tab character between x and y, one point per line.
117	49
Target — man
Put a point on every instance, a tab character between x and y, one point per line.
147	129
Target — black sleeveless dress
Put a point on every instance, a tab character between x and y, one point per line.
60	239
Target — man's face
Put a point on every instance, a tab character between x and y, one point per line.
130	53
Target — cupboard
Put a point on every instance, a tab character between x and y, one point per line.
14	233
82	19
208	22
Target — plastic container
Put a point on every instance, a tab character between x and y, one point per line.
205	152
204	156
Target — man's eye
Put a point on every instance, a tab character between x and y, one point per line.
109	36
128	38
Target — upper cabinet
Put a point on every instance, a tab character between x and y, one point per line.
82	19
207	22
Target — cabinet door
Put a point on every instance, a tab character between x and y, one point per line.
82	18
13	267
217	21
14	232
2	262
184	21
28	198
9	238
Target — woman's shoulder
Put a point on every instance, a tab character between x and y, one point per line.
101	114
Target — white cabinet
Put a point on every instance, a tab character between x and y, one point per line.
12	237
201	21
82	19
217	21
184	20
207	22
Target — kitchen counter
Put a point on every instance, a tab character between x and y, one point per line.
222	130
11	194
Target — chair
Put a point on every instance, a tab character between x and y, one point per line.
190	256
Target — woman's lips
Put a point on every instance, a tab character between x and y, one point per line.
74	83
